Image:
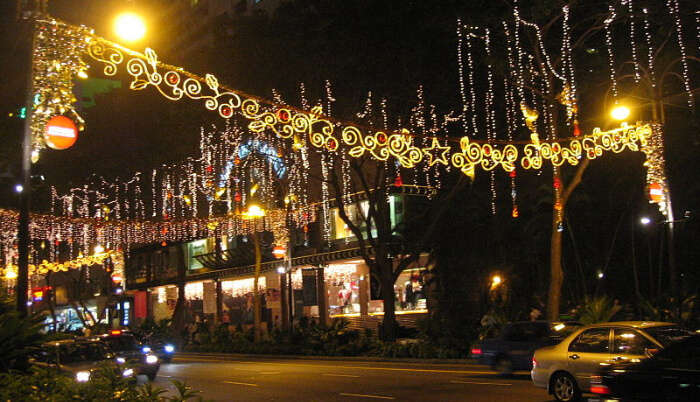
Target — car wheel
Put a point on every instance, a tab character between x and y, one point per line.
504	366
564	388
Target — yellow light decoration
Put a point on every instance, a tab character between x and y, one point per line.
436	153
175	83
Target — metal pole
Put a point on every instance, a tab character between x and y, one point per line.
23	239
290	288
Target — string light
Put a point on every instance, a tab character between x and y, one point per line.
650	49
674	10
633	41
608	44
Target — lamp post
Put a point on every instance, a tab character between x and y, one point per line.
254	211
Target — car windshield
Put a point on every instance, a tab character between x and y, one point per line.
75	353
122	343
668	334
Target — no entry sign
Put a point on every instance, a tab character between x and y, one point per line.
60	133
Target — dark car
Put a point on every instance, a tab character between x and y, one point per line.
77	358
513	348
673	374
164	350
129	350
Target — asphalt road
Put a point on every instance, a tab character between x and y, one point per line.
270	379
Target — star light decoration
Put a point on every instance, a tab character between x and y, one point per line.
437	153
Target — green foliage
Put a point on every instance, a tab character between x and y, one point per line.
161	331
106	384
336	339
667	309
598	309
19	336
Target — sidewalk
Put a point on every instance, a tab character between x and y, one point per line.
336	358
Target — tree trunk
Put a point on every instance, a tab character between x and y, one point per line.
556	278
256	291
389	330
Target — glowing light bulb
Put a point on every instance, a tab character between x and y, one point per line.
620	112
130	27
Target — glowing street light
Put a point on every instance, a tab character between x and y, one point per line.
645	220
130	27
620	112
253	211
496	281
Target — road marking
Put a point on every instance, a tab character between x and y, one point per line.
345	367
480	383
241	383
269	372
342	375
368	396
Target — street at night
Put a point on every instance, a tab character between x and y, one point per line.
349	200
270	379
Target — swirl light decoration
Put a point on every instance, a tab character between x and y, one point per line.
308	127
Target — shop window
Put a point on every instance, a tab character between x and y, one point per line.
343	286
357	214
195	248
410	290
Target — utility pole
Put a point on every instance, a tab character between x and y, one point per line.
26	13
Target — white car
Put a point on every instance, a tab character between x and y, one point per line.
565	369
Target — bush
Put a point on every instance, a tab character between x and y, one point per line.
19	337
106	384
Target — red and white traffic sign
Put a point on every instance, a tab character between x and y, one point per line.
60	133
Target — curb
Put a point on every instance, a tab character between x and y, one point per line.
333	358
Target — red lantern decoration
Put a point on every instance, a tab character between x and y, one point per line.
656	192
398	182
209	169
381	138
237	161
515	211
577	130
237	197
512	174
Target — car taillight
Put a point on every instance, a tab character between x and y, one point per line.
534	363
597	386
476	351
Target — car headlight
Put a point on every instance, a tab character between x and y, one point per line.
146	349
128	372
82	376
121	360
151	359
169	348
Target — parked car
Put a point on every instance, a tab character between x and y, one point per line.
673	374
565	370
78	358
513	348
131	351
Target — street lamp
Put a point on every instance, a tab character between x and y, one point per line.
645	220
496	281
129	27
620	112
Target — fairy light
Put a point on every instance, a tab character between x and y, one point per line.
650	48
674	10
608	44
633	41
472	92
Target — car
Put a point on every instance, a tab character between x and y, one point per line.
77	358
513	348
129	350
672	374
163	350
565	370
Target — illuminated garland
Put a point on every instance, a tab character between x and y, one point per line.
10	270
320	131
